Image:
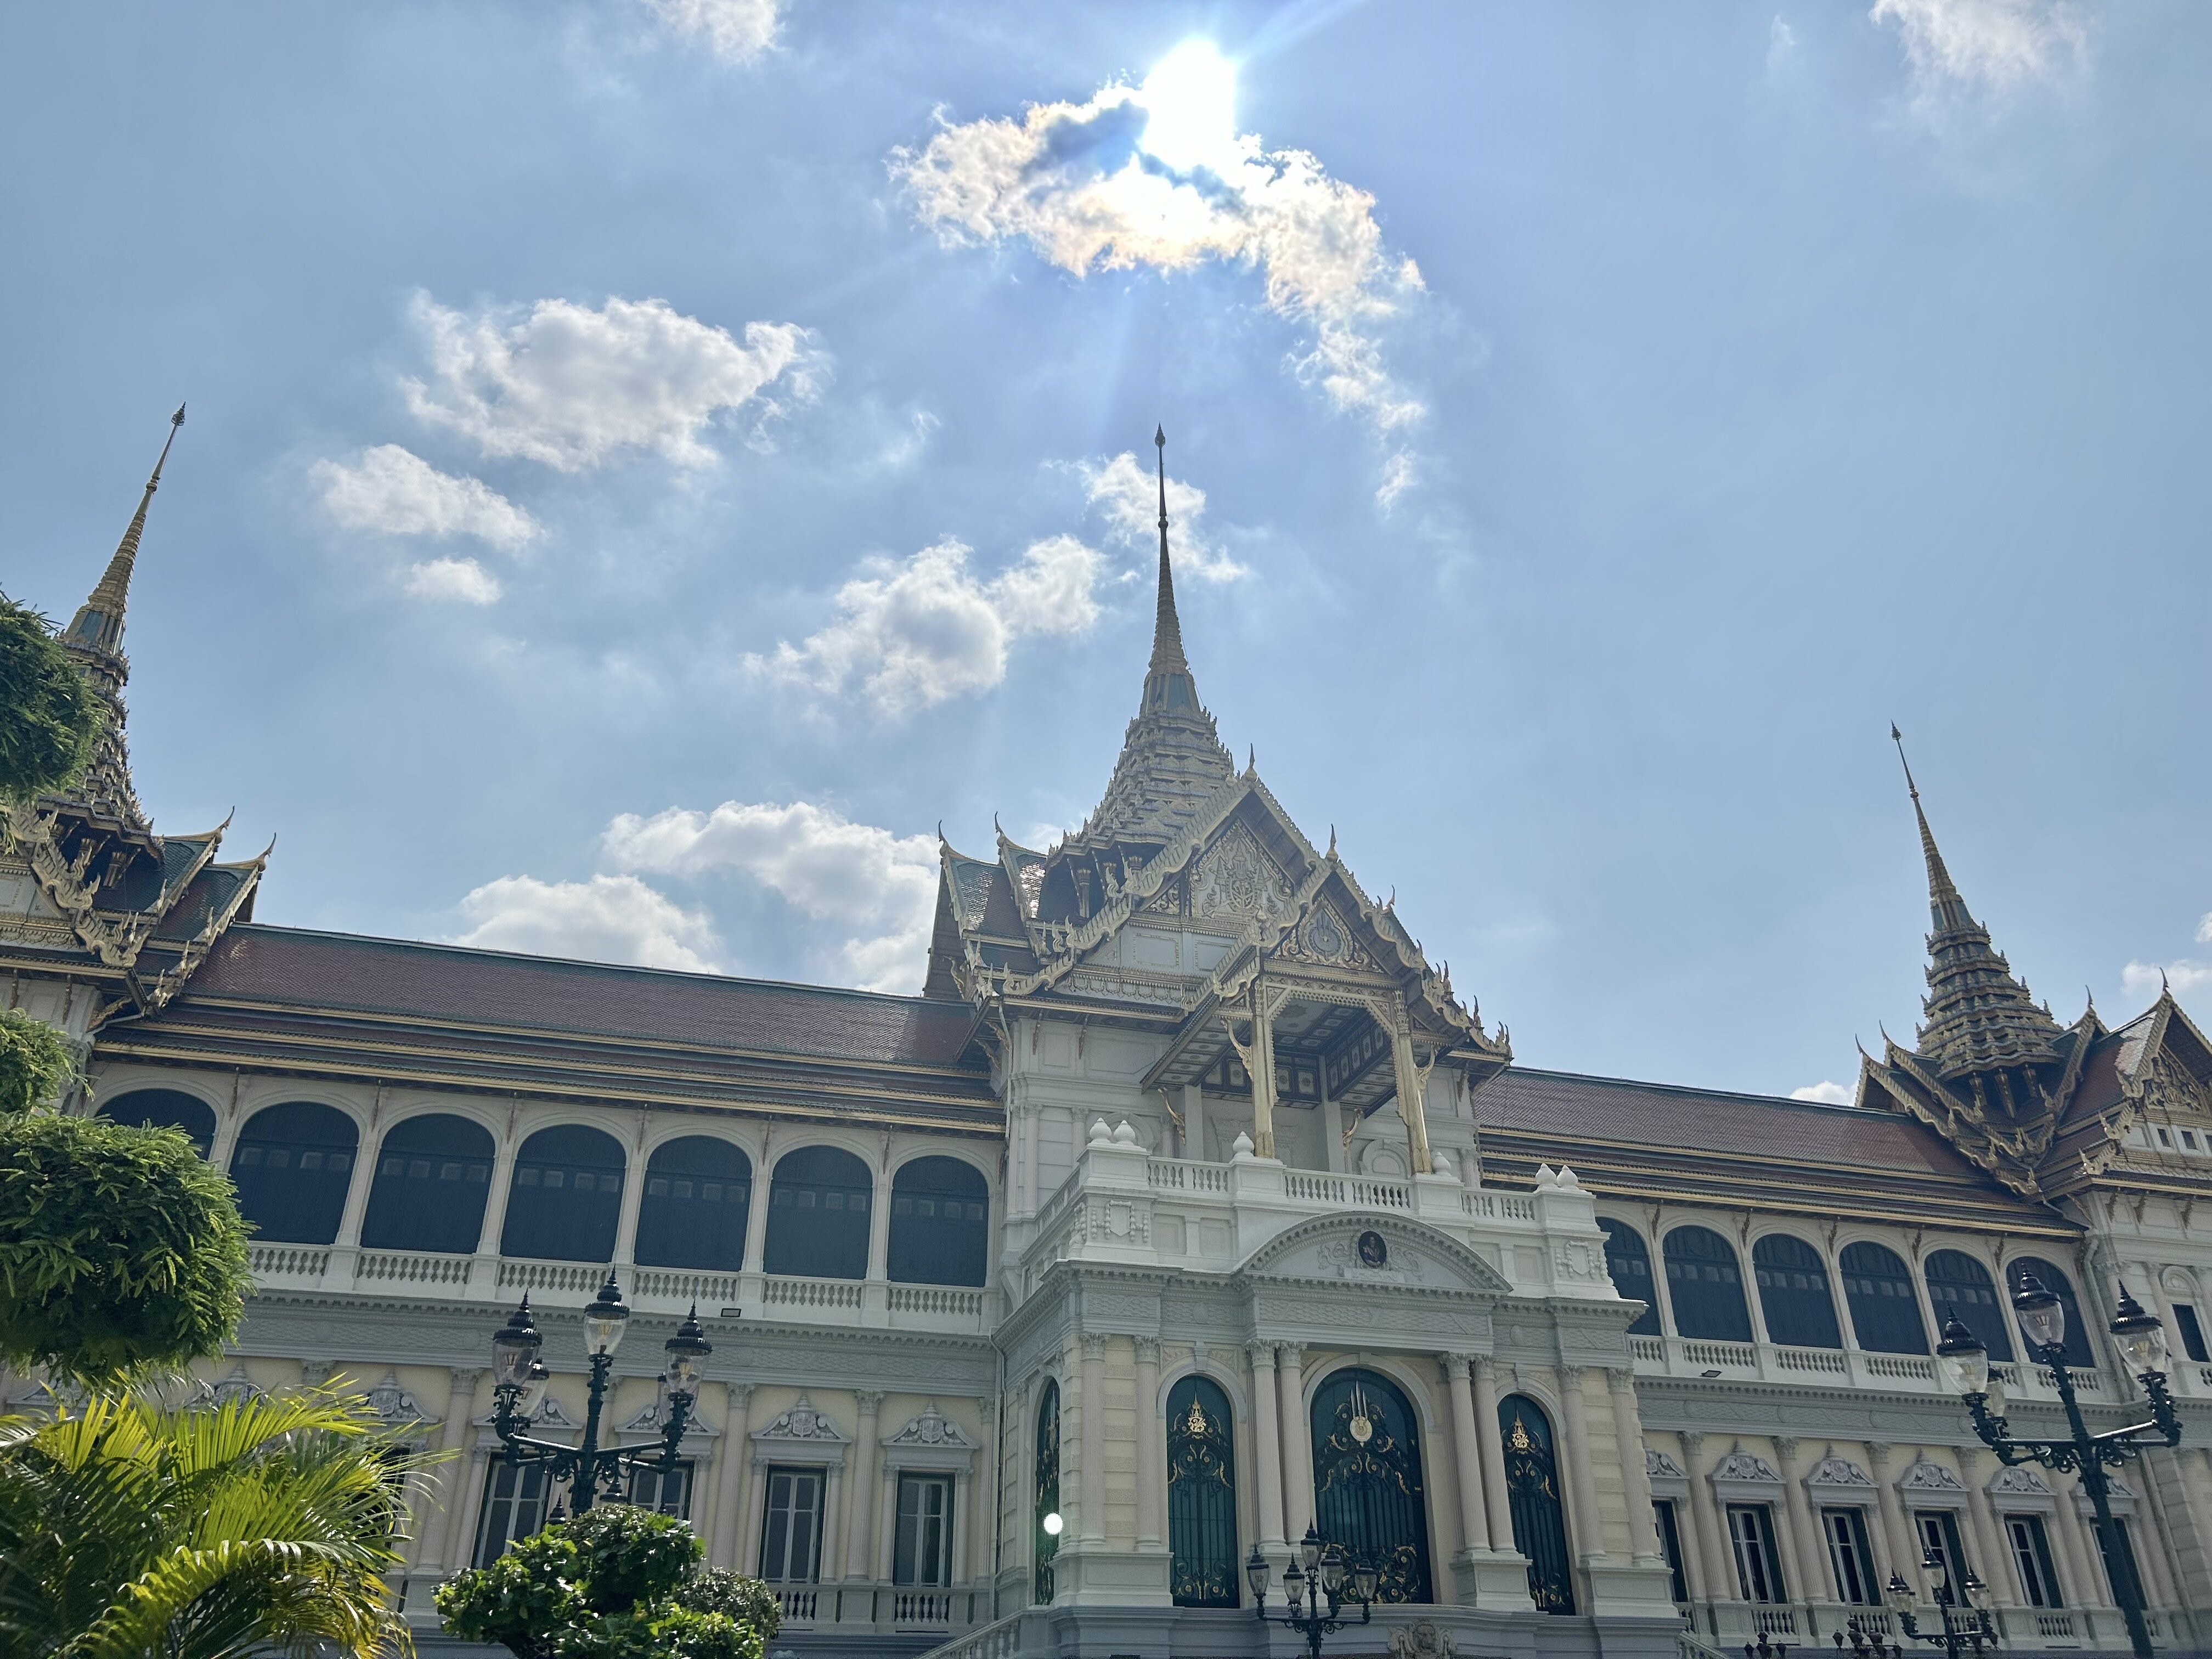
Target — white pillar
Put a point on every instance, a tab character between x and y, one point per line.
1152	1448
495	1216
633	1201
461	1411
859	1523
1261	1062
1267	1446
879	1224
1493	1455
1635	1471
1989	1533
756	1257
1193	1122
1297	1441
1466	1455
1588	1525
736	1454
1903	1552
1093	1439
1710	1525
1811	1581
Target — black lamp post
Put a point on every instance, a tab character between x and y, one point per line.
2141	1342
518	1383
1965	1626
1321	1578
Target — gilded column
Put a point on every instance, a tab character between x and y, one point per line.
1152	1448
1093	1439
1705	1521
1902	1551
1410	1080
1499	1502
736	1452
1636	1472
1811	1584
860	1504
1988	1534
460	1415
1588	1524
1267	1449
1467	1454
1260	1061
1297	1441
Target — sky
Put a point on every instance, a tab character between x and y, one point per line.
650	463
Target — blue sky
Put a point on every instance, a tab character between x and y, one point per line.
651	461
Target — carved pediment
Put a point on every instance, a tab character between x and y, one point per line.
2019	1483
1925	1476
802	1422
1376	1252
1660	1467
1838	1471
1234	880
394	1404
1740	1465
652	1420
1323	937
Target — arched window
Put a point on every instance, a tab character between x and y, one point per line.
1960	1288
1884	1312
1531	1488
1630	1264
166	1109
1045	1519
940	1223
1202	1562
698	1193
292	1168
433	1175
1793	1294
1367	1479
567	1196
2079	1355
1705	1287
817	1215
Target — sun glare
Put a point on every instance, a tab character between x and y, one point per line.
1190	98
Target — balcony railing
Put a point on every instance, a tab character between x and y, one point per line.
1897	1373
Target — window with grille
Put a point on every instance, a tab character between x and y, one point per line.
1793	1294
1960	1288
1849	1557
1885	1309
2031	1560
1670	1546
1758	1568
2192	1332
1939	1537
514	1505
791	1533
1705	1287
921	1547
668	1491
1629	1265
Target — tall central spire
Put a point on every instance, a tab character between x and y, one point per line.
1169	687
97	628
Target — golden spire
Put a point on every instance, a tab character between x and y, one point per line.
98	624
1169	688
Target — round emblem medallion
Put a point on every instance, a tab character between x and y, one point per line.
1323	937
1373	1252
1363	1431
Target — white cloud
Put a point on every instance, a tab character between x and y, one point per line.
1828	1094
1127	494
1993	45
735	31
2205	929
913	632
881	887
395	492
562	384
2191	980
1781	45
1158	176
606	919
462	581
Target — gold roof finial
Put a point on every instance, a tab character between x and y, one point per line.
98	624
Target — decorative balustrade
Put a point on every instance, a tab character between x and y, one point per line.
1829	1362
1498	1207
285	1262
515	1275
1775	1621
1170	1175
411	1268
1349	1191
1900	1368
921	1609
797	1606
936	1300
1741	1356
707	1290
812	1292
1838	1367
2058	1625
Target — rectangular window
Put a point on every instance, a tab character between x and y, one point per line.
1849	1558
513	1507
1670	1546
2127	1559
2031	1558
790	1537
668	1491
2192	1333
1758	1570
1939	1536
922	1552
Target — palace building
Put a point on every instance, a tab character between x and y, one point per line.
1190	1205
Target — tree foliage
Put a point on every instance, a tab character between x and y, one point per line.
130	1530
48	716
35	1062
616	1582
120	1250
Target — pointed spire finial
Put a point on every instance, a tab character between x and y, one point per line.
1948	909
98	625
1169	688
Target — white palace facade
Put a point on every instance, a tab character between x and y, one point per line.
1189	1205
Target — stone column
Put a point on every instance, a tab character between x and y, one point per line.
356	1199
2077	1543
1710	1525
1812	1583
1467	1454
1989	1535
1409	1089
1499	1501
1904	1553
860	1505
736	1453
483	1272
460	1413
756	1257
1267	1446
1297	1441
1092	1439
1152	1448
1636	1472
879	1224
1587	1523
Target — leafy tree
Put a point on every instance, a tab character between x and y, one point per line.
120	1250
616	1582
35	1062
48	716
131	1530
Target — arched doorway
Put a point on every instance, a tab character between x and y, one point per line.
1367	1480
1202	1564
1045	1507
1532	1485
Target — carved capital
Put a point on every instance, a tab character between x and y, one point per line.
1786	1448
1290	1355
1571	1378
1877	1455
1620	1379
1094	1347
1261	1354
465	1378
1692	1444
1457	1367
870	1401
741	1396
1148	1351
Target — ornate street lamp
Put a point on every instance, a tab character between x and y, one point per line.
1964	1366
519	1377
1965	1626
1321	1577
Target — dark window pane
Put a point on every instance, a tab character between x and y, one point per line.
166	1109
420	1203
1960	1288
1878	1289
934	1237
1630	1264
1793	1294
807	1237
544	1218
288	1200
683	1222
1703	1285
2079	1355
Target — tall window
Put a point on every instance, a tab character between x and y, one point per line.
2031	1560
292	1168
513	1507
2126	1547
1630	1264
940	1223
1758	1568
818	1217
921	1546
1884	1311
1367	1478
1793	1294
1705	1287
1939	1537
1670	1546
567	1196
1203	1569
698	1191
1849	1557
667	1491
1960	1288
166	1109
1045	1518
791	1534
433	1175
2192	1332
2080	1356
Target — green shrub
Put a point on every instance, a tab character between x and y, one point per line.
35	1062
48	716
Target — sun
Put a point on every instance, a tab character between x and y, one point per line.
1190	97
